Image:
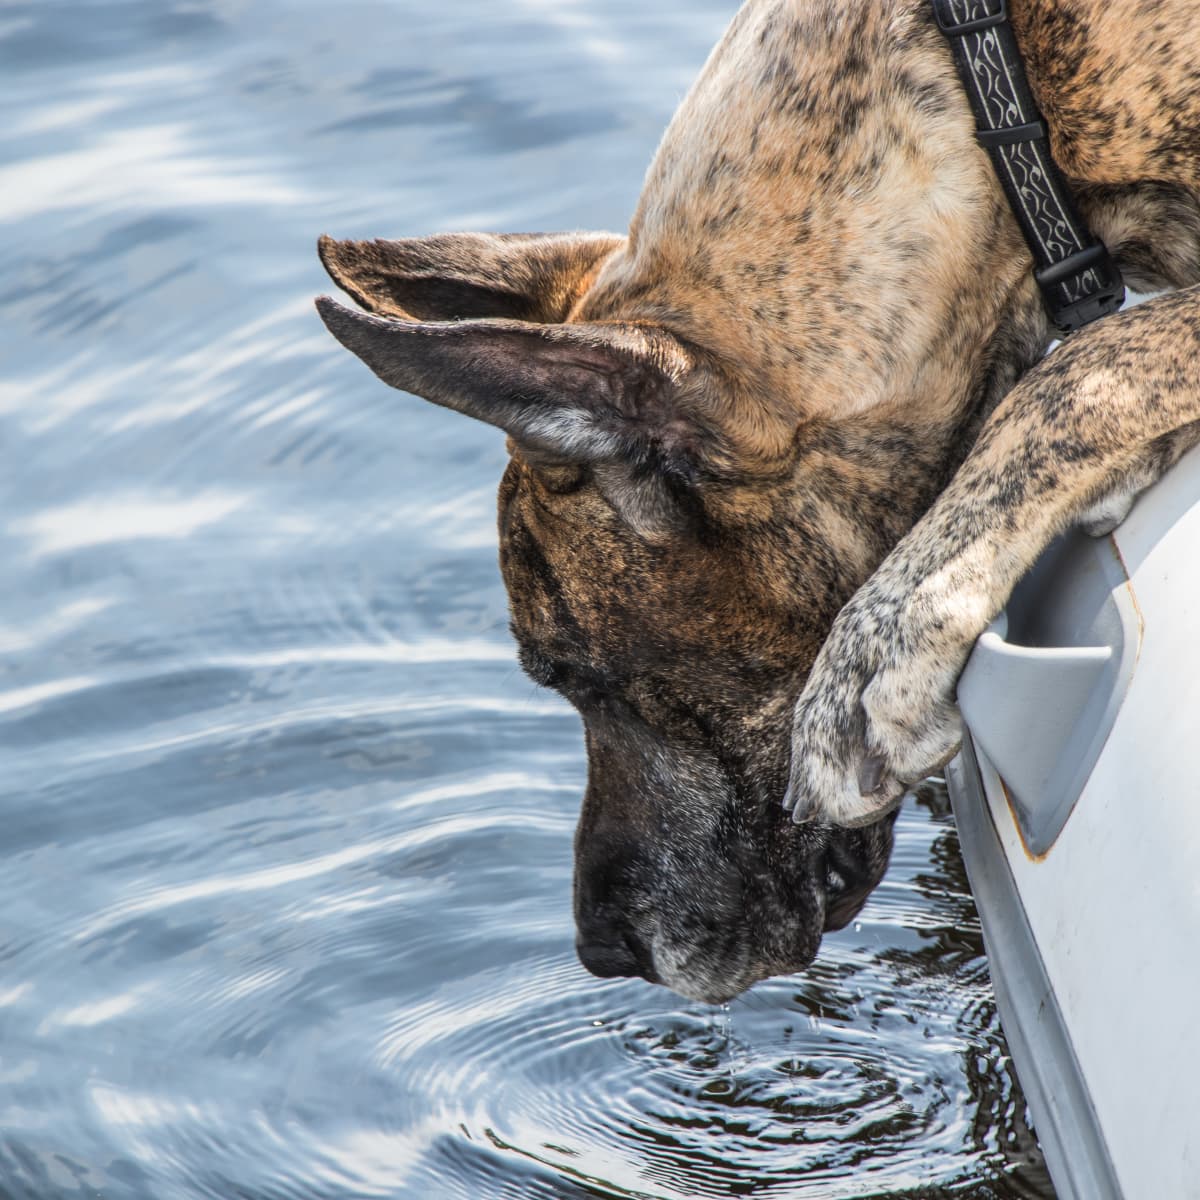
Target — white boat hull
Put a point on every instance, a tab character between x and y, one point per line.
1092	920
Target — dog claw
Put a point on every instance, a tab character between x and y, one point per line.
801	807
789	801
871	774
873	806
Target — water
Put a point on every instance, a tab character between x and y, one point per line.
285	869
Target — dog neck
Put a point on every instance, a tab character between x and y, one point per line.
1115	85
820	221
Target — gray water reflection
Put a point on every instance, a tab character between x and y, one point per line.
285	873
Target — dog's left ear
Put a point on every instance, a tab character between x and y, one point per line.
617	394
457	276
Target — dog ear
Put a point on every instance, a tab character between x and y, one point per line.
456	276
574	393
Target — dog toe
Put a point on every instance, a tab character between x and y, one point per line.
871	774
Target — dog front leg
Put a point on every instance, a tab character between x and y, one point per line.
1099	419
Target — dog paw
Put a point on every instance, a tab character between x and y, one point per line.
1108	511
837	775
1100	520
912	718
878	713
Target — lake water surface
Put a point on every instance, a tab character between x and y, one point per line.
286	854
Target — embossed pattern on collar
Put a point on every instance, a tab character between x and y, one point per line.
1078	279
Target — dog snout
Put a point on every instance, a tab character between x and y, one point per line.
608	946
612	888
609	957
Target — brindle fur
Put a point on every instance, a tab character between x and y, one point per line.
724	422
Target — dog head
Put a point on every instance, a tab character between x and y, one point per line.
663	577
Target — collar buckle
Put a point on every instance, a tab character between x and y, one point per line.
1100	289
951	26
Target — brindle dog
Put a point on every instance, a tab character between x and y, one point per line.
724	424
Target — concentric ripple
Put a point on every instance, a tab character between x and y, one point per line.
881	1070
286	861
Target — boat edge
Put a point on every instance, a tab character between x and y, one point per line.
1064	1117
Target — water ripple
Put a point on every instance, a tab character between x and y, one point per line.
286	873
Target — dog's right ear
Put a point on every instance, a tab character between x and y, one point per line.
581	393
467	276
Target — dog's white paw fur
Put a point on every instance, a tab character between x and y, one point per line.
878	713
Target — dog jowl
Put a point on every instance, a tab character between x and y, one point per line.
718	426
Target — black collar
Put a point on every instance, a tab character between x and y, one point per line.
1078	279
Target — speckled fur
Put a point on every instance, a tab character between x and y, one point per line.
723	423
1074	442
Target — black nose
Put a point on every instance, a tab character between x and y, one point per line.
612	885
608	958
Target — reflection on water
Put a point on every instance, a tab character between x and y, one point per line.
286	862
